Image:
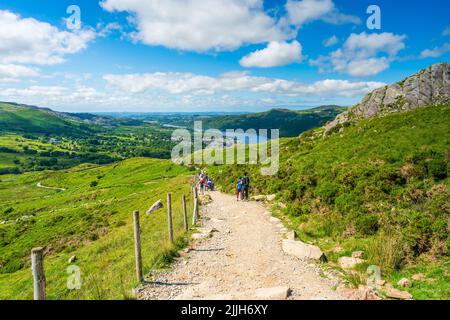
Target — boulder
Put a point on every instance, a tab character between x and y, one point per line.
302	250
405	283
349	262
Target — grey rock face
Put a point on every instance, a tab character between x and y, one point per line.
430	86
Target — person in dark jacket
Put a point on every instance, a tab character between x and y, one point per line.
245	186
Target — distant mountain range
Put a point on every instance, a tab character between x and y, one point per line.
290	122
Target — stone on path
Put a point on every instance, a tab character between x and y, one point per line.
274	220
302	250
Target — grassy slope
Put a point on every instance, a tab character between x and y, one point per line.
291	123
16	118
381	186
93	223
25	134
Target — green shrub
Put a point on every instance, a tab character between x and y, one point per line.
347	202
12	266
386	251
439	229
327	192
437	168
417	232
366	224
94	184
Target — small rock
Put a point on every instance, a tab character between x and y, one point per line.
405	283
72	259
291	235
275	220
349	262
380	282
282	205
358	254
258	198
198	236
271	197
156	206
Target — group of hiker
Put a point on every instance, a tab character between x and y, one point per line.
205	183
242	187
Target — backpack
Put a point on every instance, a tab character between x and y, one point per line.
245	181
239	185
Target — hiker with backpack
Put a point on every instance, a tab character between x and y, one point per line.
238	189
201	184
245	186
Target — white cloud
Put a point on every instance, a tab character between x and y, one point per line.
330	41
221	25
435	52
193	84
363	54
275	54
29	41
304	11
193	25
17	71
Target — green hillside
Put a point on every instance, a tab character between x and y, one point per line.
381	186
29	120
290	123
91	219
33	139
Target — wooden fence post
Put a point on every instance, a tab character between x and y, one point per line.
186	226
195	214
169	216
37	267
137	246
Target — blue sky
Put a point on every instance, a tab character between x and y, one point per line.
216	55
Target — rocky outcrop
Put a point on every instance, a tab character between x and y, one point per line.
430	86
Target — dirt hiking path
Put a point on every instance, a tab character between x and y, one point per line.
242	258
